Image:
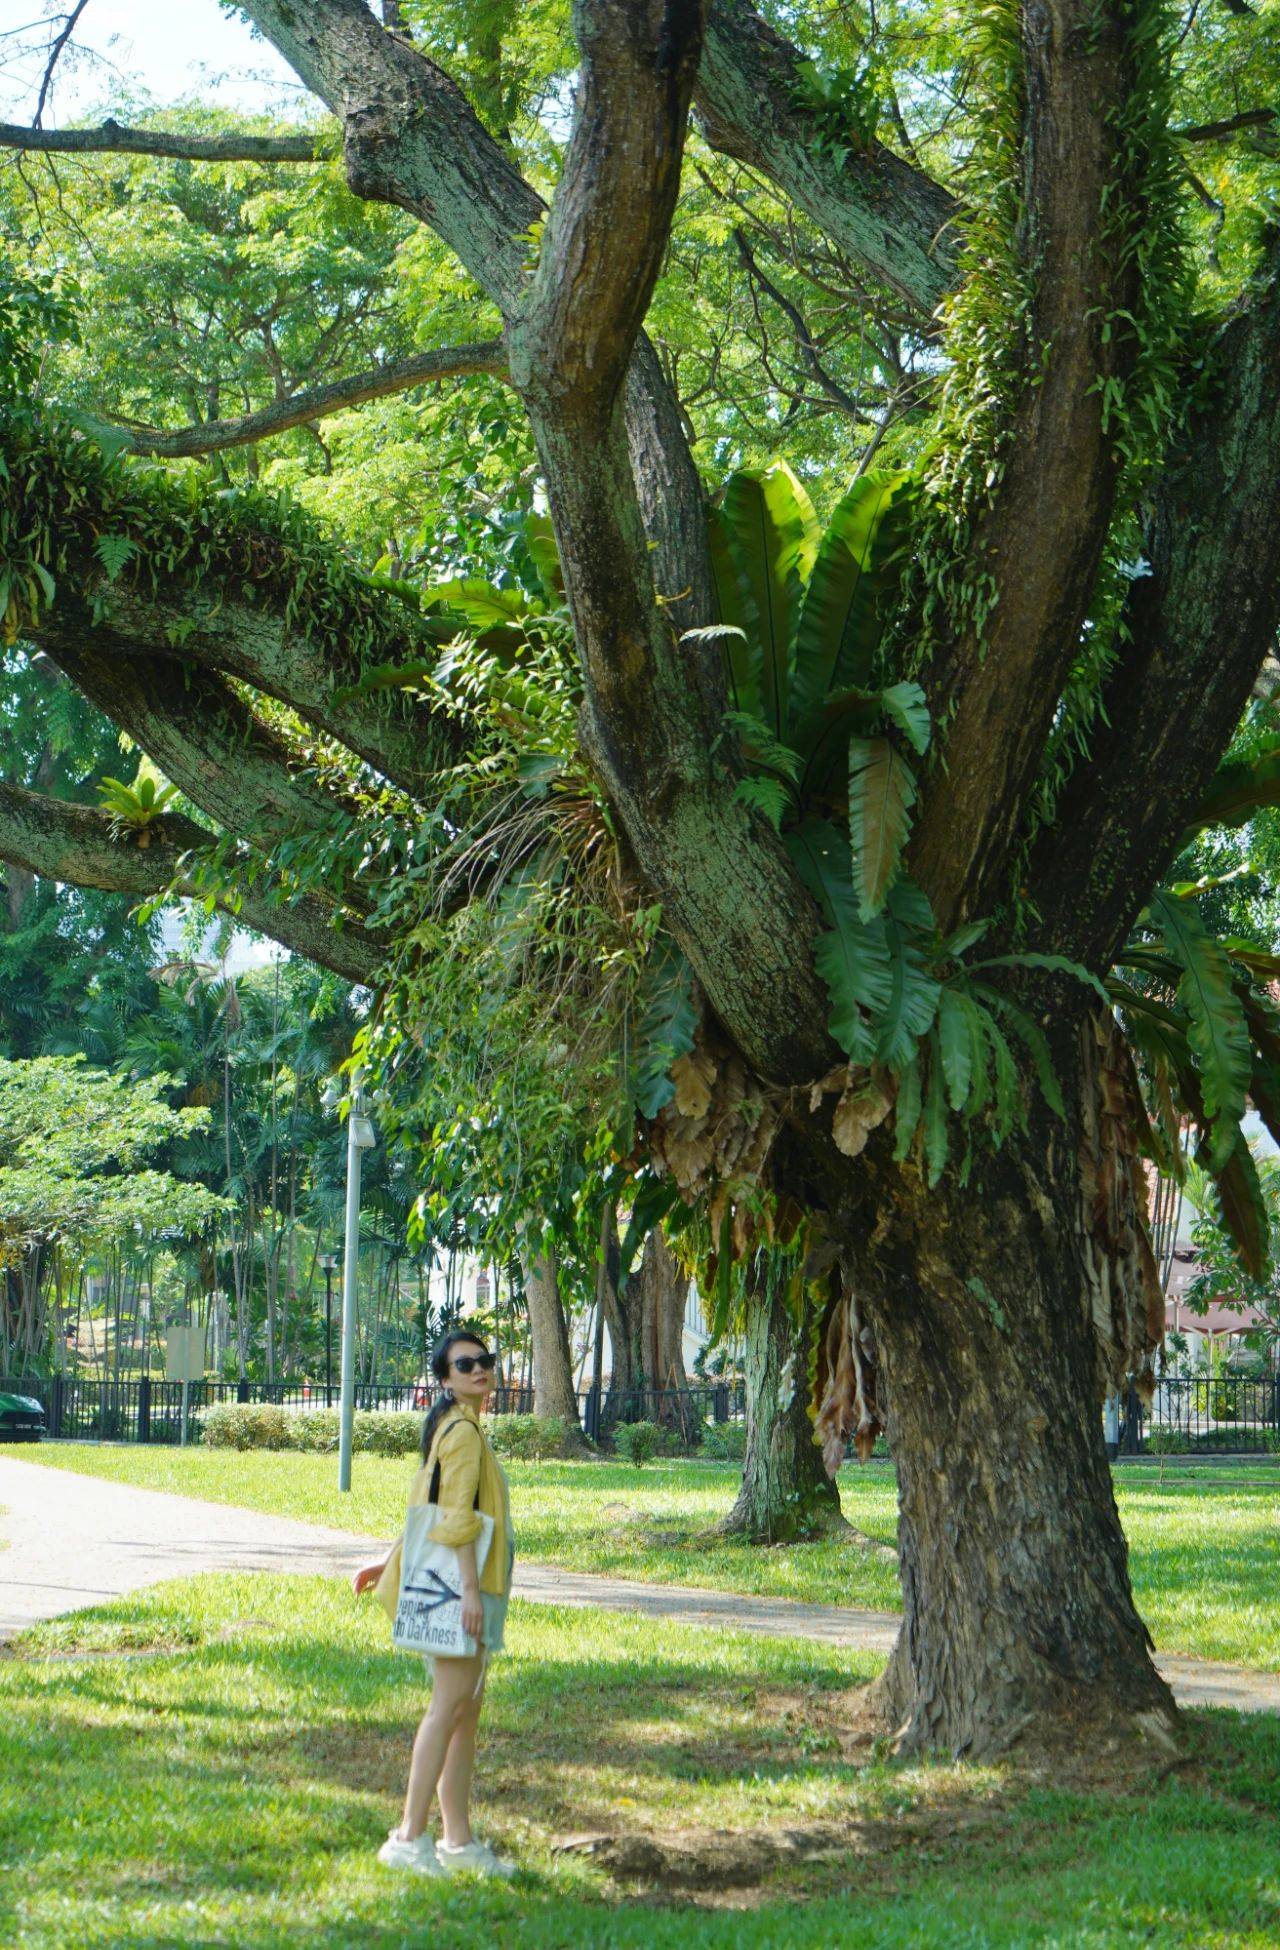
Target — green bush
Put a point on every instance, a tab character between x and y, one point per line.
528	1438
262	1425
244	1425
725	1442
639	1442
383	1432
1168	1442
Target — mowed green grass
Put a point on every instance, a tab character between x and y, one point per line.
1205	1543
216	1761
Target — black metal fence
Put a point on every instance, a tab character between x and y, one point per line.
1194	1415
149	1409
1187	1415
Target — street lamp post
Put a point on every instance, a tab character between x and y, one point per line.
328	1266
360	1138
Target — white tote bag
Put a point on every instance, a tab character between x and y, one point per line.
429	1614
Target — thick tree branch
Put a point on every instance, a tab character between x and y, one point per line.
652	719
611	217
77	845
201	735
996	686
396	376
111	138
875	207
396	734
1200	626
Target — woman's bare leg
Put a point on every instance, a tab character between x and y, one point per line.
454	1683
455	1776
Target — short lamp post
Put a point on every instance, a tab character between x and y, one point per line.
328	1266
360	1138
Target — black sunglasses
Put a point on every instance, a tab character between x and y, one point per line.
465	1363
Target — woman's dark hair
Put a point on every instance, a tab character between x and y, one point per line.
441	1355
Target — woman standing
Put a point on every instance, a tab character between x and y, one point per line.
471	1480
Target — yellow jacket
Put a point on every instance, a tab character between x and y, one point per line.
467	1464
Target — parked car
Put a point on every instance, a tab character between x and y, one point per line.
21	1418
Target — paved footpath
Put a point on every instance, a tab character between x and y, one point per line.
77	1540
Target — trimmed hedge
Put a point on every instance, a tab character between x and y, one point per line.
263	1425
376	1432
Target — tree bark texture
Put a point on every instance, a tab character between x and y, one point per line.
785	1491
1018	1610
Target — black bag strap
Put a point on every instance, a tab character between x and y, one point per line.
433	1494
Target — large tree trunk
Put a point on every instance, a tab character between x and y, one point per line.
981	1300
660	1291
553	1389
785	1490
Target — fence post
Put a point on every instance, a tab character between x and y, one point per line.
242	1389
1132	1423
55	1407
591	1413
144	1409
721	1402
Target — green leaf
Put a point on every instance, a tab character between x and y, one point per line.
1238	789
771	533
1244	1210
483	605
964	938
114	552
1217	1031
955	1040
882	791
936	1143
905	704
540	540
768	797
1008	1095
853	959
906	1110
842	620
667	1022
1055	964
760	745
912	1001
1029	1032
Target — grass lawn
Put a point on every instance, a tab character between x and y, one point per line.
1205	1541
215	1761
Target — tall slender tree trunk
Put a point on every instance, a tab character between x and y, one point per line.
982	1300
785	1490
658	1295
553	1390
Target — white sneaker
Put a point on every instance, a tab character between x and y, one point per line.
473	1858
419	1855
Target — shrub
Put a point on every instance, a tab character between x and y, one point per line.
382	1432
1168	1442
316	1430
263	1425
639	1442
726	1442
528	1438
244	1425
